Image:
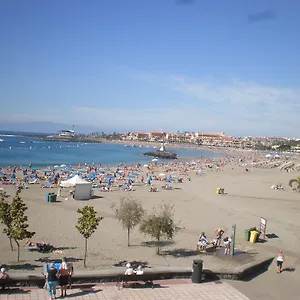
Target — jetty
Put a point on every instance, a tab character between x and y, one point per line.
162	153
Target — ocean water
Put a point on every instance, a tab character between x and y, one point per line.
18	151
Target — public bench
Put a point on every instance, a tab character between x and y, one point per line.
131	280
7	283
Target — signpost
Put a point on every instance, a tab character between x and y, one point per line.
232	244
263	227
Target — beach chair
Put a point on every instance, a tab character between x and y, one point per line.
48	184
34	181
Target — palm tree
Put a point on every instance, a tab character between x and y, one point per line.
297	185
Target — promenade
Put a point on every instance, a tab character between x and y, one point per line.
168	289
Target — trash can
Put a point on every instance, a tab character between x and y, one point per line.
253	236
52	197
47	197
218	191
197	270
222	191
247	235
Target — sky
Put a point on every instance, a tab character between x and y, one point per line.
129	65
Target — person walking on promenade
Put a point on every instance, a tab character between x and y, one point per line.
280	259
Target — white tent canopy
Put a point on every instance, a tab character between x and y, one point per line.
83	188
74	181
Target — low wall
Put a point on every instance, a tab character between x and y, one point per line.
111	275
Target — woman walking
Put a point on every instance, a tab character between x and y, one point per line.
52	277
280	260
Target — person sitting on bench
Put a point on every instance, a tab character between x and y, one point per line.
129	271
3	276
139	271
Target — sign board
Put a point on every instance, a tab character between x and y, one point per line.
233	230
263	227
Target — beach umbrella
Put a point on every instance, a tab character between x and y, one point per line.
146	166
154	159
2	174
131	176
135	174
162	174
63	166
109	176
34	169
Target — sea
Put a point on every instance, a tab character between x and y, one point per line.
16	150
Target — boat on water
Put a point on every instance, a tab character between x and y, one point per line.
1	140
22	142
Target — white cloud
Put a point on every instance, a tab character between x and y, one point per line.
243	107
233	106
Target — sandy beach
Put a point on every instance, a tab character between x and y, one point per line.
248	196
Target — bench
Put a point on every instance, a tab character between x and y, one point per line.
123	280
7	283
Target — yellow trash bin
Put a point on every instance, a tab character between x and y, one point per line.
218	191
253	236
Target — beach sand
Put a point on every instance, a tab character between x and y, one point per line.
197	208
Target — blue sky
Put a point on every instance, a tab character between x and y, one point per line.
152	64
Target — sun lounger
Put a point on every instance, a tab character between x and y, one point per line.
33	181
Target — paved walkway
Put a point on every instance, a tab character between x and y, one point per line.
172	290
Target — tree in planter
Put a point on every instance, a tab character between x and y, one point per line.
5	217
160	225
87	224
18	230
129	214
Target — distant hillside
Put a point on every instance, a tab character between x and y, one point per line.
44	127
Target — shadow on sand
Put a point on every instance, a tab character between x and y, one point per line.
155	243
54	260
272	236
181	252
65	248
20	266
289	270
133	263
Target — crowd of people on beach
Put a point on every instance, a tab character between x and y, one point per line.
123	177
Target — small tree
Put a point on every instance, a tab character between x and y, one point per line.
18	230
160	225
5	217
87	224
129	214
